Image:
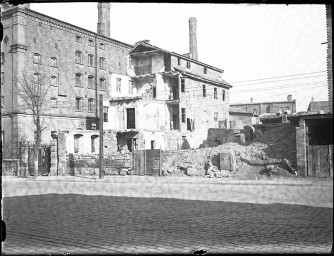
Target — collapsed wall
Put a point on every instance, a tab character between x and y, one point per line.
275	147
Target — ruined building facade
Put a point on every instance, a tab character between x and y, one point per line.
152	98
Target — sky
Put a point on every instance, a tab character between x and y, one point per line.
266	51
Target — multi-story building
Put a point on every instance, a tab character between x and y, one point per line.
260	108
77	65
152	98
172	101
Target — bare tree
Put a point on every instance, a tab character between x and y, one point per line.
33	89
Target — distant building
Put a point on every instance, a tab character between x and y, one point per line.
316	106
329	55
259	108
240	118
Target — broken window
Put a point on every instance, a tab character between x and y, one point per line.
204	90
105	114
215	96
183	115
223	96
131	123
182	85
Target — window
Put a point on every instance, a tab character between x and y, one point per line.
90	60
102	84
215	116
183	115
93	126
154	91
2	57
287	108
90	105
53	102
254	111
90	42
215	93
37	58
152	144
91	82
280	109
223	95
2	77
102	46
78	80
78	39
93	140
78	103
37	78
130	87
78	57
118	84
53	62
102	63
131	118
54	81
205	70
105	114
179	61
182	85
268	109
204	90
188	64
77	142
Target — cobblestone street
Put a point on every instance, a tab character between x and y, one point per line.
81	221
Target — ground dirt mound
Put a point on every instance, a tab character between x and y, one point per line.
251	159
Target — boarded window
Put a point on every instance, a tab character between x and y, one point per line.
183	115
131	122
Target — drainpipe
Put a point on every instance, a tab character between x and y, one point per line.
11	116
96	96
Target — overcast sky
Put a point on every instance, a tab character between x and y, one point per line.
248	41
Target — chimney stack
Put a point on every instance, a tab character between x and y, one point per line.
103	25
251	100
289	97
193	38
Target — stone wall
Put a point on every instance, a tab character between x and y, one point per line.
301	143
10	167
217	137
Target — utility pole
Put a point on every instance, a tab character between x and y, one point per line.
101	174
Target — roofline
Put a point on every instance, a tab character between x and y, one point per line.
196	61
16	8
267	102
240	113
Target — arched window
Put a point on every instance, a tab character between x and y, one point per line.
77	138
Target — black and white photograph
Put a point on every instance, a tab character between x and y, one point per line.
166	128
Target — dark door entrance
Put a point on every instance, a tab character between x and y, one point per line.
131	122
147	162
320	161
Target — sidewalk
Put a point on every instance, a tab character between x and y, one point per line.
172	179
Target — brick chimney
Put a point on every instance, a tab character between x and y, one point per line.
289	97
103	25
193	38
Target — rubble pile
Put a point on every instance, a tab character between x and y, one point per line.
271	154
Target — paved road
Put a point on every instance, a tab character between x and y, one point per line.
136	215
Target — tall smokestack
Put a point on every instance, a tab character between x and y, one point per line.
103	25
193	38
